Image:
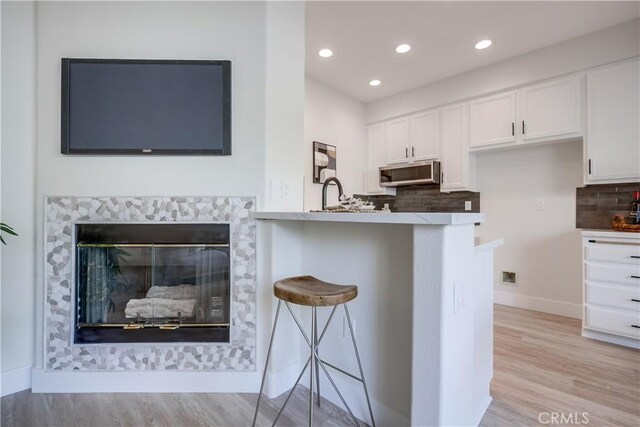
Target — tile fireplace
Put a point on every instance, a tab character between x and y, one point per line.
150	283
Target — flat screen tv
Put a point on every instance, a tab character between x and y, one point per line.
125	106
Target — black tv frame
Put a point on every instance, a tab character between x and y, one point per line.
226	109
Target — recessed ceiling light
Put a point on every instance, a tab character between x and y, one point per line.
403	48
374	83
483	44
325	53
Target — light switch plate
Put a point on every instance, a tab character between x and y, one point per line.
276	189
467	205
285	190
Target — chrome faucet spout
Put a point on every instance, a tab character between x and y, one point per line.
324	190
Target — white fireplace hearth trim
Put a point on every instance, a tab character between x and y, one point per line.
61	213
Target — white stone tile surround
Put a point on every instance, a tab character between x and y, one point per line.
60	215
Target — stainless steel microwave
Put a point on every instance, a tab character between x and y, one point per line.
410	174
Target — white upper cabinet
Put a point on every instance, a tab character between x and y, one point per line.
454	167
375	158
397	135
550	110
613	135
413	138
425	136
492	120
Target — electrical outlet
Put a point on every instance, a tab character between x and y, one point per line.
509	278
540	204
346	333
467	205
285	190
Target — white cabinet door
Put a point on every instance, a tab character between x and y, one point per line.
492	120
550	110
375	156
397	134
613	112
425	136
455	157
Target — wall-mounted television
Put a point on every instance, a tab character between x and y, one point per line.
136	106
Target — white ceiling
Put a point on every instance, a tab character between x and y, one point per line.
363	36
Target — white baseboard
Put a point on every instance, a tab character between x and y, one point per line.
544	305
144	382
15	380
483	410
281	381
353	393
610	338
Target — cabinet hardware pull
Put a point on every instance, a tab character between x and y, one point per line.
634	256
635	300
635	277
589	166
406	152
442	177
513	129
523	127
413	151
635	326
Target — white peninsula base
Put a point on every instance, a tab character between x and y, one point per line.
423	316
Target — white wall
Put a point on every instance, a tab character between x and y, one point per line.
608	45
336	119
541	246
18	192
382	311
284	114
244	32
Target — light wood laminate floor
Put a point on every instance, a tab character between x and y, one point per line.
542	365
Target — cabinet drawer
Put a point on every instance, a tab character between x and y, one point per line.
613	296
613	321
626	254
613	273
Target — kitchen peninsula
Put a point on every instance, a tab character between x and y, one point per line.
423	316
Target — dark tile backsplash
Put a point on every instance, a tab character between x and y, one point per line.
427	198
597	204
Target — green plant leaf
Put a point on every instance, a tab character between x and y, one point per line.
6	228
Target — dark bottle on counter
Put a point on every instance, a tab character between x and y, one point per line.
634	208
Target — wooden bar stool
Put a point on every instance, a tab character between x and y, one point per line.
309	291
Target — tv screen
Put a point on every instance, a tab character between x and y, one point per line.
117	106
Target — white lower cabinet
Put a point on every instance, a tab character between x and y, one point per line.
611	287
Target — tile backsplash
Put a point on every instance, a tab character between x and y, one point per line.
596	205
426	198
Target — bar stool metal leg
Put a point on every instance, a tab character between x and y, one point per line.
315	327
313	365
355	347
266	363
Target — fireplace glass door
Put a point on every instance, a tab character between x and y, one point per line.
152	292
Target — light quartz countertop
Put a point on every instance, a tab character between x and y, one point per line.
413	218
610	233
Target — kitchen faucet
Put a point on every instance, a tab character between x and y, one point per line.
324	190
